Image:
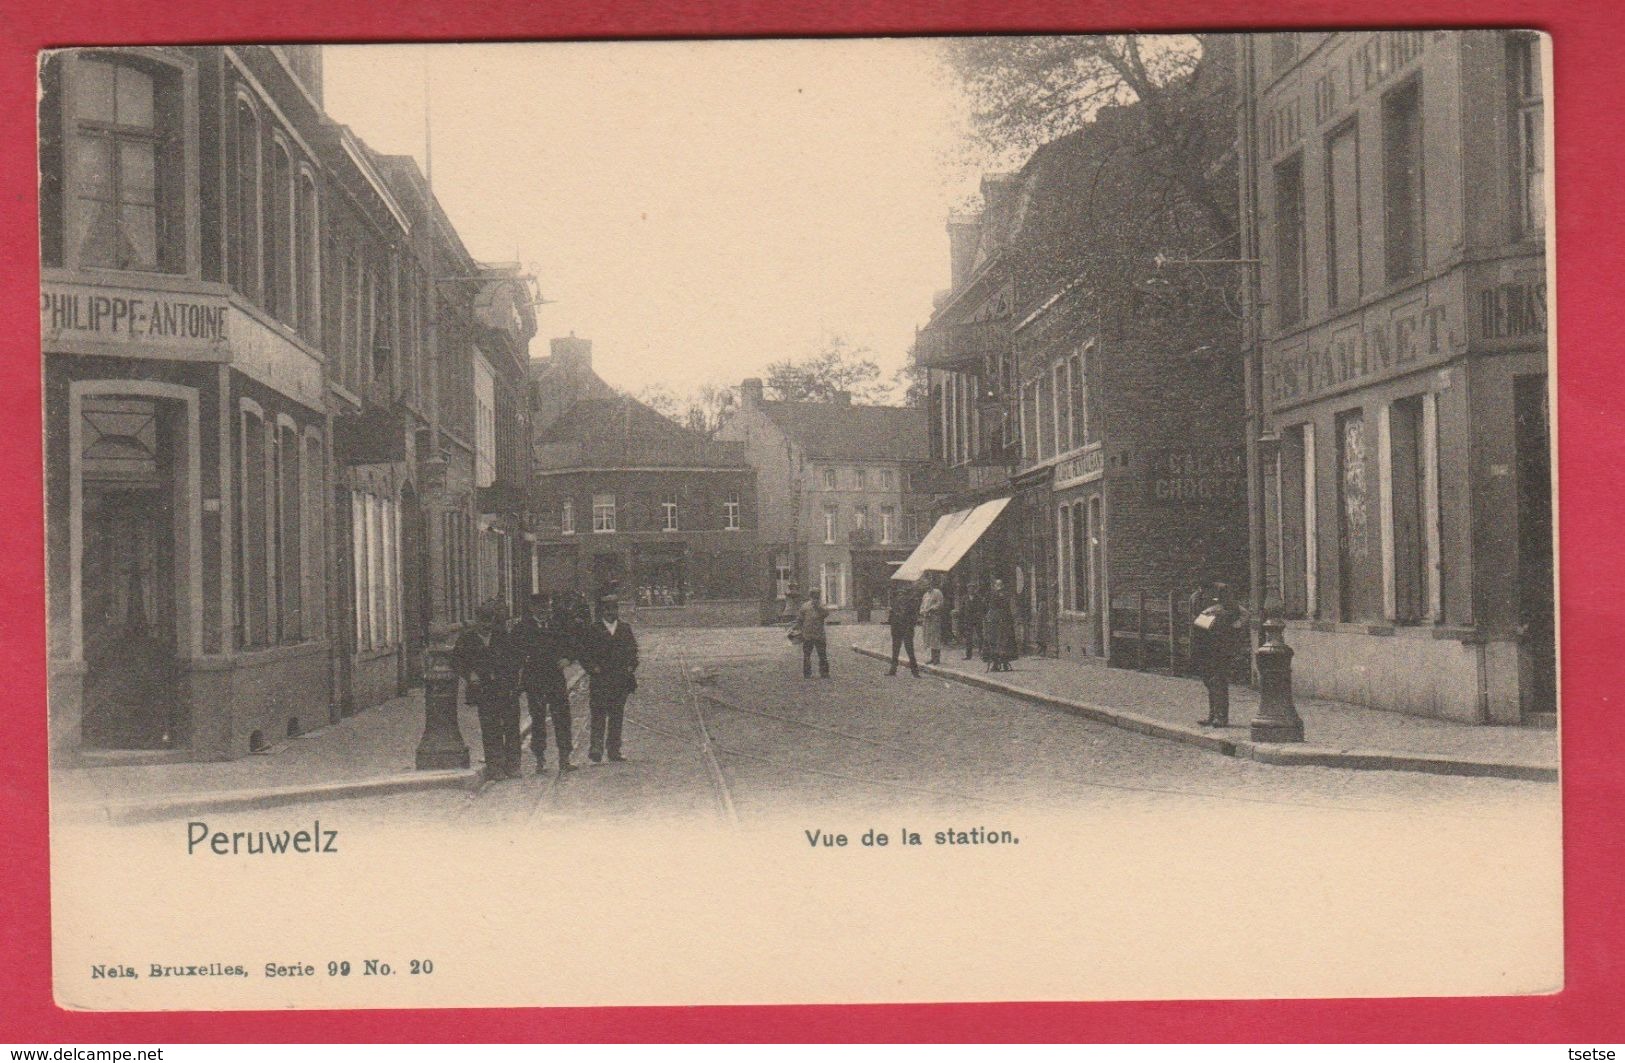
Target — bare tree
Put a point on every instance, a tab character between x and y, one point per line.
837	366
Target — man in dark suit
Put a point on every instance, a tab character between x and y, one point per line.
904	614
546	653
610	655
1217	635
489	660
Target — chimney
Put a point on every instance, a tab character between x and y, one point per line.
964	231
843	398
750	392
572	351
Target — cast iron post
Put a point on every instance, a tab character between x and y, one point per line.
442	746
1278	719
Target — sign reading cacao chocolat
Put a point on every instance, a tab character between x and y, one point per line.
1195	475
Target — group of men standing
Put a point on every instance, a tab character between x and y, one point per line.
498	661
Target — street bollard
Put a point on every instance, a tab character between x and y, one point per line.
442	746
1278	719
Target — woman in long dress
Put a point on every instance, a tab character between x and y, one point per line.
999	630
931	616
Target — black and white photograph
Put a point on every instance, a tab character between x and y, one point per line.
800	520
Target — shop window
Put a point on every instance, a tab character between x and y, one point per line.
1289	286
290	535
253	615
315	610
125	172
660	578
1412	479
730	512
1343	216
1353	509
1528	132
1295	494
1403	225
603	513
832	583
781	575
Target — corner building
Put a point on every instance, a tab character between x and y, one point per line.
186	423
1399	183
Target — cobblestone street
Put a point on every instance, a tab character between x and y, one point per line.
725	730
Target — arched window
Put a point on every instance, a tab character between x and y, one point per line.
307	275
278	223
245	267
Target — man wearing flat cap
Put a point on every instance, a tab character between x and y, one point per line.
610	655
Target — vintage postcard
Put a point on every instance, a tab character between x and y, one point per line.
801	521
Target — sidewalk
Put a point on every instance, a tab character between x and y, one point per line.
370	754
1337	734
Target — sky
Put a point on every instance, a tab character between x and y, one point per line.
697	209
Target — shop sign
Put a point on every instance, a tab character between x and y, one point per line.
131	316
1080	468
1377	346
1510	311
275	361
1196	475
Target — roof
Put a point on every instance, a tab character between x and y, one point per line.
621	431
853	433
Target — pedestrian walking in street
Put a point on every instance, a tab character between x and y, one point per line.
1216	636
903	615
932	613
610	655
547	694
809	628
998	630
489	660
968	623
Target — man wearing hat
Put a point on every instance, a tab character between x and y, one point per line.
547	652
489	660
610	655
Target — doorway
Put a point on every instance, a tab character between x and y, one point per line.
129	619
1537	617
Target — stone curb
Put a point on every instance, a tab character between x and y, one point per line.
273	797
1291	755
125	812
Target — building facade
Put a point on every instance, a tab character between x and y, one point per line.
628	502
1087	408
844	493
1400	218
240	401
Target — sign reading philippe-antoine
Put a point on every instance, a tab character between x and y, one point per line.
131	316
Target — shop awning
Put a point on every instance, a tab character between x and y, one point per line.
964	536
914	567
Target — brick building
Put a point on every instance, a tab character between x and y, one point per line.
843	491
246	408
627	501
1087	409
1397	187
